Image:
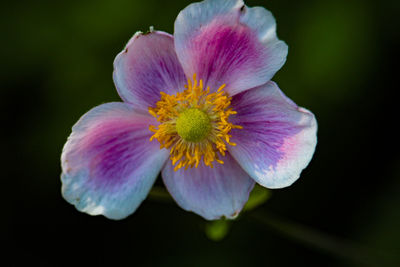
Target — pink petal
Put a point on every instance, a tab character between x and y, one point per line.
108	162
224	42
147	66
278	138
210	192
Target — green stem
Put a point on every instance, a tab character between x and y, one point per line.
307	236
325	243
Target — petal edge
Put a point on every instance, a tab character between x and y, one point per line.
225	42
148	65
281	134
210	192
108	166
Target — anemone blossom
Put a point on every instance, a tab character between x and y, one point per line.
199	107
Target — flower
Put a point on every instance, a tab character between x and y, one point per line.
200	108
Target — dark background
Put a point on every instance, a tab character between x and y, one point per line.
57	64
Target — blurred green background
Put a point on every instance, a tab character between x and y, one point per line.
57	64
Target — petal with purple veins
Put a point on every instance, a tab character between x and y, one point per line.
147	66
278	138
225	42
108	162
210	192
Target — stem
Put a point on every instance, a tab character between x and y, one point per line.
307	236
325	243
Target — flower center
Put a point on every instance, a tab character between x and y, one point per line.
194	125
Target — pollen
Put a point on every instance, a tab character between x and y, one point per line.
194	125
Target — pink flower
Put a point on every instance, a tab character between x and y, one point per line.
200	108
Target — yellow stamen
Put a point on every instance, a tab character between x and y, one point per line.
194	124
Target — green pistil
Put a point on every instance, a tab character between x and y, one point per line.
193	125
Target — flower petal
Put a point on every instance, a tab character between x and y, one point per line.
210	192
147	66
278	138
108	162
224	42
